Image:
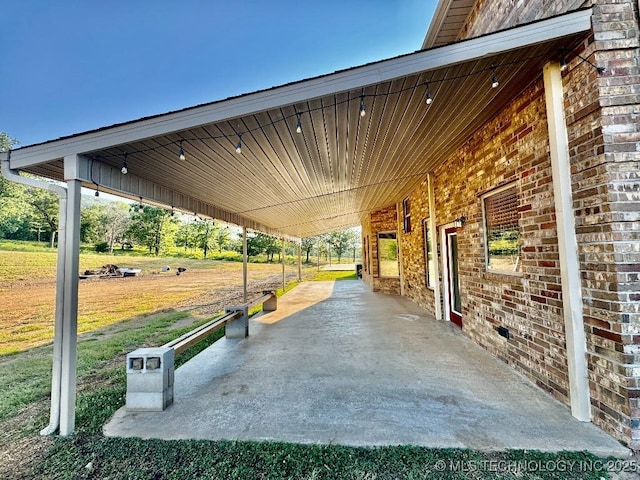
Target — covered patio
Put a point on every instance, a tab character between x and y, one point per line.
298	160
337	363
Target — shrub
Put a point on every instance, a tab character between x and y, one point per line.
102	247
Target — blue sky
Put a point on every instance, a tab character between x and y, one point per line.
70	66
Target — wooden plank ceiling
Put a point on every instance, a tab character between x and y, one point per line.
342	165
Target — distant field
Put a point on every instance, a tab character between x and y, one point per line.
27	291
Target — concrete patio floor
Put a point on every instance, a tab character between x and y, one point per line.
339	364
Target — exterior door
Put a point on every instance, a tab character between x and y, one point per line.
454	302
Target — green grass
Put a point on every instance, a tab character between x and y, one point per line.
25	378
335	275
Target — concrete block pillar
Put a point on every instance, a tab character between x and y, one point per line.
270	305
150	374
238	328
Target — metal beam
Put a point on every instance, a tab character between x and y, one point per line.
572	303
111	180
347	80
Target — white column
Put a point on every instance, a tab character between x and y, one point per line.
433	235
299	261
284	282
400	230
244	263
567	244
70	315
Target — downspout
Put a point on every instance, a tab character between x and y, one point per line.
12	175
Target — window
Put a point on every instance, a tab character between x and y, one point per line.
388	255
502	233
406	215
429	261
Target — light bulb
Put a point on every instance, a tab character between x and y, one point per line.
299	126
239	147
363	108
181	155
429	98
124	168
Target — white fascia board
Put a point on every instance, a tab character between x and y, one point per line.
468	50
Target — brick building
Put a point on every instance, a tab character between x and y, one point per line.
485	241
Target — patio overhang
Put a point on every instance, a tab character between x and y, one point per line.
342	165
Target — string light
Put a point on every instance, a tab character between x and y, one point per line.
563	63
140	208
494	81
429	98
97	194
173	212
299	124
124	169
181	152
298	114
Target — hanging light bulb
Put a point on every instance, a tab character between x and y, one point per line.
181	152
239	144
124	169
140	207
563	63
494	81
173	212
429	98
299	124
97	190
363	108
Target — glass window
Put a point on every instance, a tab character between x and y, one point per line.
388	255
502	231
429	261
406	215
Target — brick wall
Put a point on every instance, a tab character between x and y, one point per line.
511	148
493	15
604	140
602	115
383	220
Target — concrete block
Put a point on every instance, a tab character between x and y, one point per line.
238	328
270	305
150	377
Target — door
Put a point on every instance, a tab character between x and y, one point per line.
454	302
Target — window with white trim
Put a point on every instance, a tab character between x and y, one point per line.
502	230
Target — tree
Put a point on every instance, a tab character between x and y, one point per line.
307	246
205	236
14	209
45	204
186	235
223	237
152	227
339	242
115	219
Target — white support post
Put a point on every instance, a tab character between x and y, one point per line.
284	283
433	235
70	317
400	230
567	244
299	261
245	260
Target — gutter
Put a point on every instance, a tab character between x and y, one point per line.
56	373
